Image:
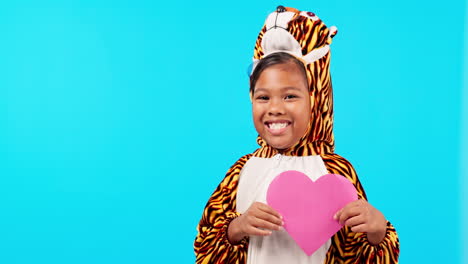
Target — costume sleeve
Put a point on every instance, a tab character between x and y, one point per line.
350	247
212	244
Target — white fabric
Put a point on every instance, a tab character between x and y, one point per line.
279	19
277	39
255	177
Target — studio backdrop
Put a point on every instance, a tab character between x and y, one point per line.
120	118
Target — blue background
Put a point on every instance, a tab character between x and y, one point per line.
121	117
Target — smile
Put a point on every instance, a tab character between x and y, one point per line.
276	128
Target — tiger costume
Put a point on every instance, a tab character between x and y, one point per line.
305	36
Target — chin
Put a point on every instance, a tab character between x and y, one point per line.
279	147
280	150
279	144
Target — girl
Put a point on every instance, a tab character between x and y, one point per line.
291	93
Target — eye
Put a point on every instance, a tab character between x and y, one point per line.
262	97
291	96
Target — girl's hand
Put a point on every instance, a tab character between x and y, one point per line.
259	220
364	218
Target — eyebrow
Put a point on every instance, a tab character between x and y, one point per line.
282	89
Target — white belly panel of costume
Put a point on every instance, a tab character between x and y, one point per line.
255	177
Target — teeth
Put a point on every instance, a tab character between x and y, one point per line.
277	125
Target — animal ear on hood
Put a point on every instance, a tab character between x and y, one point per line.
332	31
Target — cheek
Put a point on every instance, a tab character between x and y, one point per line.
258	110
255	112
304	116
257	116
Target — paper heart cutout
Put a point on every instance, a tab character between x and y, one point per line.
308	207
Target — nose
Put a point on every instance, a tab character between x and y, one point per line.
276	107
281	9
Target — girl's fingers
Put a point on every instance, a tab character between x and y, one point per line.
267	209
362	228
355	221
253	231
260	223
269	218
338	214
347	207
265	212
348	212
259	227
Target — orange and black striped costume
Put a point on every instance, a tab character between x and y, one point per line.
211	244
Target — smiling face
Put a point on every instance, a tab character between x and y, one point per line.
281	105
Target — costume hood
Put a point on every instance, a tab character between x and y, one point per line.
303	35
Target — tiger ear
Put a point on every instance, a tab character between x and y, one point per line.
332	31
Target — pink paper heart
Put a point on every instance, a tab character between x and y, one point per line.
308	207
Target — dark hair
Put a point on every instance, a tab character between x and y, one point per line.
271	60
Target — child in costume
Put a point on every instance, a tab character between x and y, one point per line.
291	93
